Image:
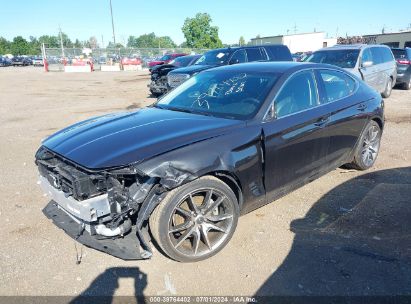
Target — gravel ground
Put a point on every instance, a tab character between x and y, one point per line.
347	233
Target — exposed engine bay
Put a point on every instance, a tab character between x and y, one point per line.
107	205
158	85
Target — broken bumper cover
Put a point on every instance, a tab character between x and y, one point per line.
126	248
79	220
82	211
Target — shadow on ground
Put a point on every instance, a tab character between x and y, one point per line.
102	289
355	241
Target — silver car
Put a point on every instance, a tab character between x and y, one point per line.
375	64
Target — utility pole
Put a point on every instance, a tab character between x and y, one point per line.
112	24
61	42
102	42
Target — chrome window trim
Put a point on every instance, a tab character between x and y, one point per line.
272	103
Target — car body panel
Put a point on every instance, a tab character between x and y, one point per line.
116	140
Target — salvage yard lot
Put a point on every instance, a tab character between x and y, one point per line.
347	233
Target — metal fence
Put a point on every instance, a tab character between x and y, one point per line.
57	58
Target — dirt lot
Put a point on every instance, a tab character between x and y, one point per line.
347	233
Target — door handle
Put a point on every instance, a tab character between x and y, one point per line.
362	107
322	121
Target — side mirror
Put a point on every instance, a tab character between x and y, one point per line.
234	61
270	113
367	64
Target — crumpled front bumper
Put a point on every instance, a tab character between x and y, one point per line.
79	219
127	247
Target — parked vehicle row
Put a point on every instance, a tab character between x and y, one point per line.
4	62
165	79
403	57
225	142
158	85
21	61
164	59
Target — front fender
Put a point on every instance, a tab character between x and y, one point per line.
239	152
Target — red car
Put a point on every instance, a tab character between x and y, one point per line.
131	61
165	59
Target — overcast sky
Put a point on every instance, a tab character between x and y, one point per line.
235	18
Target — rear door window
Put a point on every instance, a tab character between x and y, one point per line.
337	84
377	55
239	57
367	56
254	54
386	54
278	53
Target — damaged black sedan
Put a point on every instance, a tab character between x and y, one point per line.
225	142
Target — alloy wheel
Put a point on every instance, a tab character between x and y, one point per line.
201	222
371	145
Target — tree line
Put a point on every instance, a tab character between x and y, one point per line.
198	33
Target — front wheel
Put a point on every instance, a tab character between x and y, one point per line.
196	220
368	147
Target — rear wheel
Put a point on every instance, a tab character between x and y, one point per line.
196	220
369	145
388	89
407	85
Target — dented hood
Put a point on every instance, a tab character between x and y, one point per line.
124	138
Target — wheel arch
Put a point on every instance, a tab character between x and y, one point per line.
231	180
379	121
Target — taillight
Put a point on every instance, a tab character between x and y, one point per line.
404	61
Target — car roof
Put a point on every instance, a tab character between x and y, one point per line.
280	67
234	48
350	47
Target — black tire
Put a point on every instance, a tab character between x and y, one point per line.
189	236
388	89
367	145
407	85
155	94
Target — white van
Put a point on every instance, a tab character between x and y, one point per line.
375	64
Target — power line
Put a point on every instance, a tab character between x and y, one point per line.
112	23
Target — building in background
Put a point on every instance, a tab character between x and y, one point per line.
306	42
398	39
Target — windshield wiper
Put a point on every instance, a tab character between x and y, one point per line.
177	109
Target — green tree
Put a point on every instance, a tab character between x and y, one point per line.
49	41
165	42
143	41
199	32
20	46
35	47
112	46
241	41
5	46
77	44
150	41
66	40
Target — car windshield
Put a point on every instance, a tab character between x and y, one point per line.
165	58
341	58
233	95
181	61
217	57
